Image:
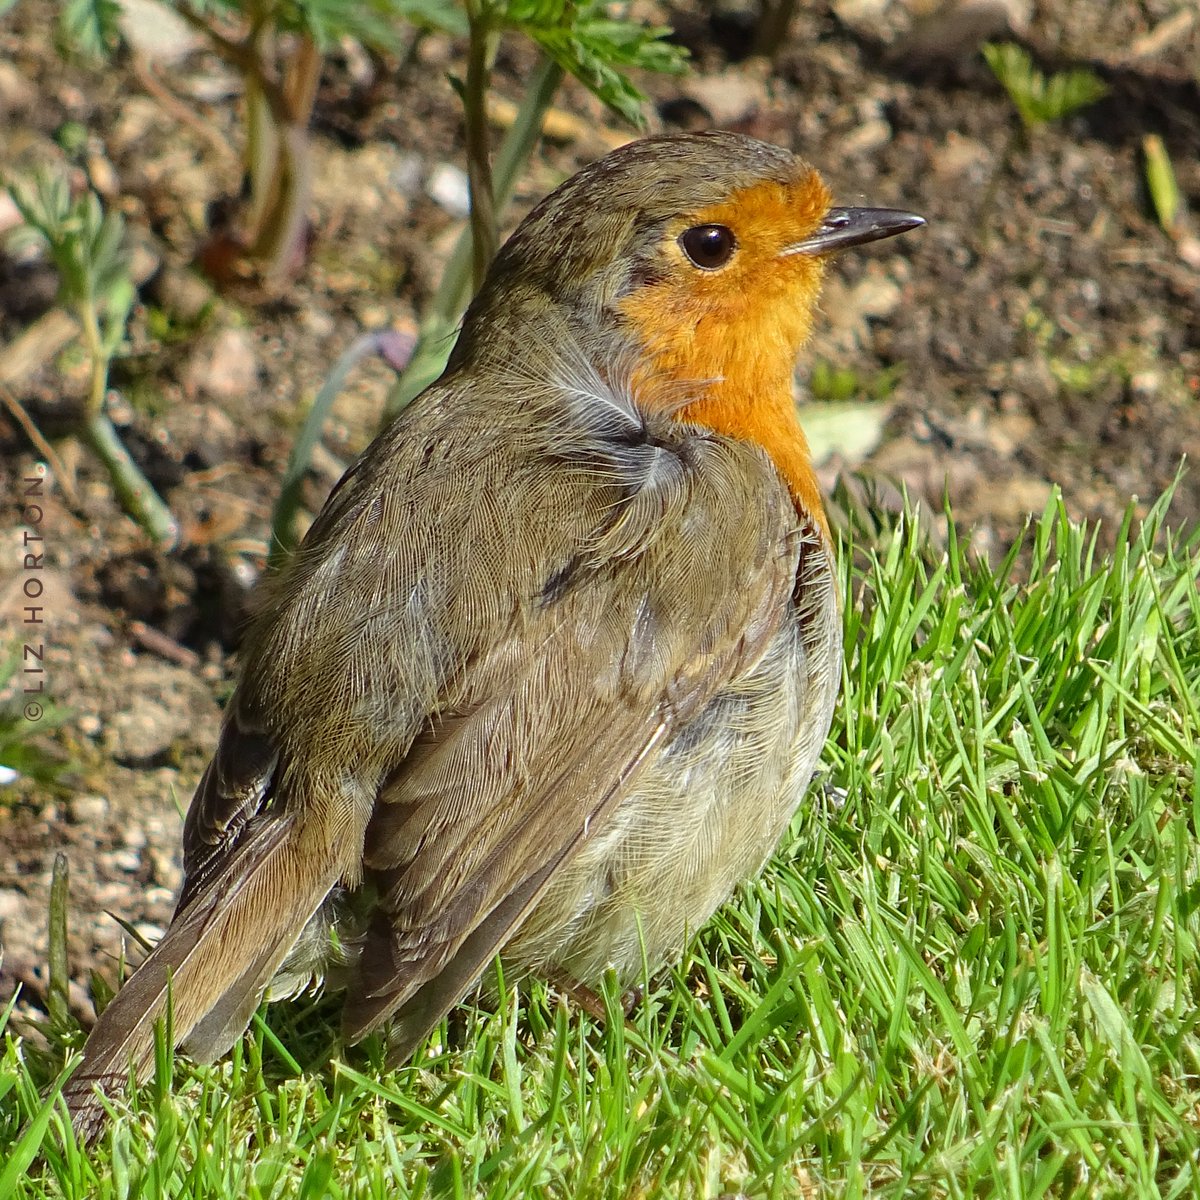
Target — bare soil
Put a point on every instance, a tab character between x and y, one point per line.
1043	331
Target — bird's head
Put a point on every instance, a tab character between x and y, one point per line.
697	257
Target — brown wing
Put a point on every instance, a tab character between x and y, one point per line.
546	731
498	615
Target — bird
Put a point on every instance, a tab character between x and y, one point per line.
550	672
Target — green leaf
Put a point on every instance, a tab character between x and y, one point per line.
374	23
119	300
1161	184
90	27
84	241
434	14
598	50
371	23
1037	98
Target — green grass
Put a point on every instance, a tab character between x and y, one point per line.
971	970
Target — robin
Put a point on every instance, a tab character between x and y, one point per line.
553	666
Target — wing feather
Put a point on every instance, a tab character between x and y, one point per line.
544	735
507	605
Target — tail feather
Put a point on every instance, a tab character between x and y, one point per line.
213	962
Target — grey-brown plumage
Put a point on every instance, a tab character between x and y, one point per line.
548	675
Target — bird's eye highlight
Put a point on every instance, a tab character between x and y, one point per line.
708	246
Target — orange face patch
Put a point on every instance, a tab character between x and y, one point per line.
733	333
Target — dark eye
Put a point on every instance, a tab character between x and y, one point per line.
708	246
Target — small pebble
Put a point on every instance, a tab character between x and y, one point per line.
448	187
88	810
11	902
127	860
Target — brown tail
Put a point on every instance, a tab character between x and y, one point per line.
214	962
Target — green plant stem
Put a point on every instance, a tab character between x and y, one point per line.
58	983
278	229
132	488
94	343
262	143
484	234
513	155
278	112
437	329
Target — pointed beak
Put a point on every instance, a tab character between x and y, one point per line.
852	227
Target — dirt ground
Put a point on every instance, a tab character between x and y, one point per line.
1042	330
